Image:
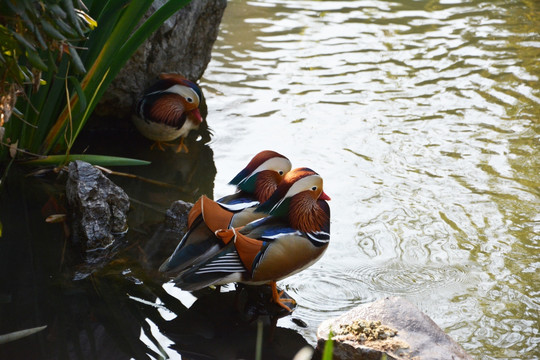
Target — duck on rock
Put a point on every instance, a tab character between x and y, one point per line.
292	236
169	110
255	184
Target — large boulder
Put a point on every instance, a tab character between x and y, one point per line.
393	327
183	44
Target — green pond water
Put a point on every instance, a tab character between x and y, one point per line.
422	117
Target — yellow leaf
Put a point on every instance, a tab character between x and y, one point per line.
91	22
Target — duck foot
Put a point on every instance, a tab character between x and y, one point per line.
162	144
182	146
254	301
279	299
159	145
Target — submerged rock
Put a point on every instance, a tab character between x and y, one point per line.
165	236
98	209
391	326
176	217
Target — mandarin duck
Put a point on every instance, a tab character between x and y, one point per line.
294	235
255	184
169	110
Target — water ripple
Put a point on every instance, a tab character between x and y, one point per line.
398	278
327	291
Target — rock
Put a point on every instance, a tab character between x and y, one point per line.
397	329
177	216
182	44
165	236
98	209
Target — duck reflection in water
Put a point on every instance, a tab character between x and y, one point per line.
224	325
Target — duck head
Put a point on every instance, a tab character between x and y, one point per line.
301	198
177	95
262	174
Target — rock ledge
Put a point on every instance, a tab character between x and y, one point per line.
391	326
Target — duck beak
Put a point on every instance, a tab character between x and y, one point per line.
323	196
197	114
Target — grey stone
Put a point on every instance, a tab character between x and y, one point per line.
98	208
176	216
418	337
183	44
165	236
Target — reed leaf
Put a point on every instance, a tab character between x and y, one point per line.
16	335
101	160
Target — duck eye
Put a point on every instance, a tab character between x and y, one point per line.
280	172
314	188
189	100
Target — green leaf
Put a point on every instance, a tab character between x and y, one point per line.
107	17
57	10
77	85
35	29
66	29
22	40
52	63
35	59
51	30
72	16
76	60
328	348
7	40
102	160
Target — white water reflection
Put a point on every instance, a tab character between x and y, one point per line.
422	118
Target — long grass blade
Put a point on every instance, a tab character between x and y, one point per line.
87	112
106	15
101	160
328	348
259	341
77	85
16	335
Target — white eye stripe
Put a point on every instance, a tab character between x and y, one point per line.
185	92
303	184
279	164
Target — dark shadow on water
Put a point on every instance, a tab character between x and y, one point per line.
104	314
